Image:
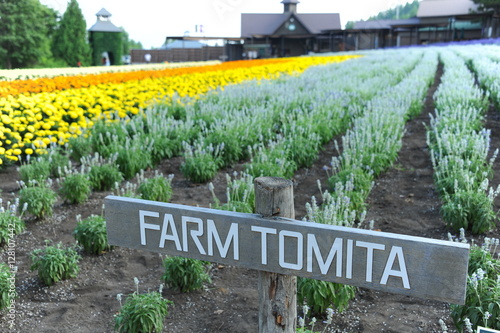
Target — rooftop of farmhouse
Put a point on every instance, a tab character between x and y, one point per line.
292	33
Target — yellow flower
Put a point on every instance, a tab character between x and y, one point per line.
57	115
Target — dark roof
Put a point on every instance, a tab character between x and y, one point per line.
439	8
289	1
267	24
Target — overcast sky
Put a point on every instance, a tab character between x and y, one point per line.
151	21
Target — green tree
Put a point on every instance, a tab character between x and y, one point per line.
494	7
70	40
25	30
485	5
129	44
408	10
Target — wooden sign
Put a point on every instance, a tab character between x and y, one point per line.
486	330
407	265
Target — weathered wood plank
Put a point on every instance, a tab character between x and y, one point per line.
408	265
277	292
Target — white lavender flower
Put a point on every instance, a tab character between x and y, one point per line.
443	325
468	325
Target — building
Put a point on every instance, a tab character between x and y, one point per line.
287	34
106	41
437	21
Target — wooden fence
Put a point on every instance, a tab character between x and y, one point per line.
178	55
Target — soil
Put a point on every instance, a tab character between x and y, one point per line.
402	201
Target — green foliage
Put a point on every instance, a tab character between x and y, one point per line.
485	5
129	190
55	263
231	151
38	170
184	274
79	147
10	223
132	159
107	138
469	209
142	313
158	188
111	42
356	184
59	162
320	295
75	188
51	62
200	163
103	177
271	162
39	200
303	150
301	325
91	234
408	10
482	303
129	44
70	39
7	278
25	32
240	194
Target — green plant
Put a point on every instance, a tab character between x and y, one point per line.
471	209
320	295
355	183
59	162
271	162
7	286
301	328
79	147
240	194
55	263
482	305
38	170
129	190
200	163
107	138
103	177
75	188
39	199
143	313
158	188
132	158
231	150
10	223
184	274
91	234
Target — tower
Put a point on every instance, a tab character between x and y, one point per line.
106	41
290	6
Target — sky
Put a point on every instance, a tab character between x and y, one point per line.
151	21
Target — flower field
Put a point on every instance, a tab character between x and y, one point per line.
38	112
338	126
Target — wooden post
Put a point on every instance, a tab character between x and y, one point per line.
277	292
